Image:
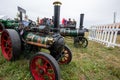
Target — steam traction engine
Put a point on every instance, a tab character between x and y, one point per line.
77	34
43	66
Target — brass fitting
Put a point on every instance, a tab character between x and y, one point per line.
57	3
50	41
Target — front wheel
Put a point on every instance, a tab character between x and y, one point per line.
44	67
66	56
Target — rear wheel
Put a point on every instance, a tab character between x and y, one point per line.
44	67
80	42
10	44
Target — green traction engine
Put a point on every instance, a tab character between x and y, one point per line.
77	34
22	40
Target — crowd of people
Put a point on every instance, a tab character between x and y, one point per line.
68	22
45	21
50	22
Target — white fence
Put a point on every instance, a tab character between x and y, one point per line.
106	34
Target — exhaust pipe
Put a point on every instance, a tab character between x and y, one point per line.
56	14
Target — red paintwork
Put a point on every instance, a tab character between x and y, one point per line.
41	68
6	46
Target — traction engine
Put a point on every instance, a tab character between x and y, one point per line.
17	39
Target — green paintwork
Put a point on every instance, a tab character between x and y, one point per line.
68	32
36	38
9	23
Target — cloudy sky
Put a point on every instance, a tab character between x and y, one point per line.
96	11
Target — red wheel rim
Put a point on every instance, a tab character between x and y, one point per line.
42	69
6	46
65	59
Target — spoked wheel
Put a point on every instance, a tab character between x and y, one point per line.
1	27
44	67
66	56
10	44
80	42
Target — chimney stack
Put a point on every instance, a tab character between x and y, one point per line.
57	5
81	21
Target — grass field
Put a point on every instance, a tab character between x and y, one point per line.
96	62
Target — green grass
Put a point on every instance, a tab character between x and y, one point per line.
96	62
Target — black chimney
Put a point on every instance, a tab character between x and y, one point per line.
56	14
81	21
20	17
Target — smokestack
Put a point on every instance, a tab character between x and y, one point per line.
56	13
81	21
20	17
